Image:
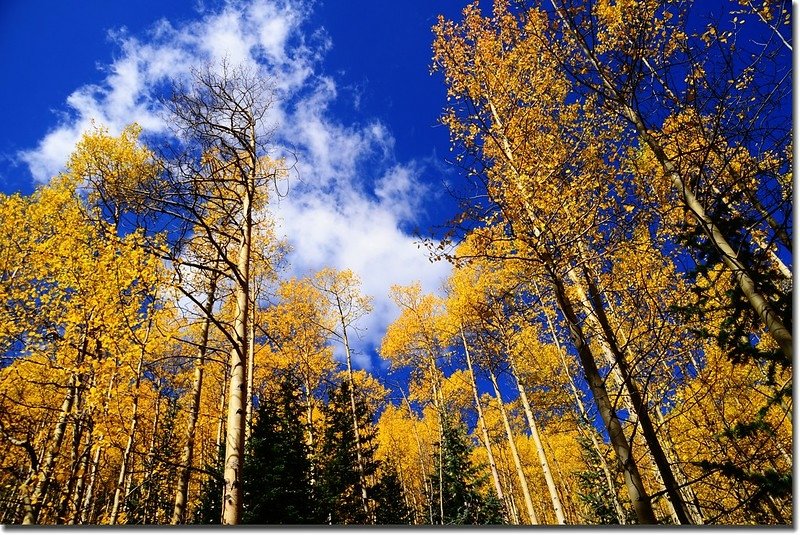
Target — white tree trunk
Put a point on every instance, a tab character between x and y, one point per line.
523	480
543	462
482	423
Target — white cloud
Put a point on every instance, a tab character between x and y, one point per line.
352	198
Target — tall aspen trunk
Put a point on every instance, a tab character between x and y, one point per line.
584	416
356	427
423	471
150	461
633	480
251	363
184	471
512	500
234	436
80	486
482	423
543	462
44	474
623	399
597	312
523	480
126	455
309	415
688	497
223	397
89	499
76	460
310	439
437	403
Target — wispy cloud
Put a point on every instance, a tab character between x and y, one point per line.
351	198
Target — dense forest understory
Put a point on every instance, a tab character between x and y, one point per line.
613	344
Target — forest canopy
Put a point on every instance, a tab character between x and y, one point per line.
613	344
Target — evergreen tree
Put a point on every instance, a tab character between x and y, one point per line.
390	503
277	468
461	500
207	511
339	483
150	501
594	491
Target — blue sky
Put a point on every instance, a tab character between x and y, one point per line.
357	105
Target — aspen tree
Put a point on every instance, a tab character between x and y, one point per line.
490	69
346	306
220	117
658	36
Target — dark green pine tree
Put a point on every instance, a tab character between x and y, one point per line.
277	469
151	498
460	482
594	491
339	486
210	506
390	503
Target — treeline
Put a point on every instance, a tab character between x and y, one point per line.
613	345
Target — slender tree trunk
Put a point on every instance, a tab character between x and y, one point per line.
251	363
184	471
149	463
510	496
482	423
438	405
356	428
80	486
633	480
119	499
642	412
523	480
423	471
89	499
548	476
223	397
76	461
45	472
235	429
584	416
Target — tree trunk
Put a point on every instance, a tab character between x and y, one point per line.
223	397
234	439
596	311
251	363
356	428
44	474
428	491
185	468
76	460
482	424
87	508
126	455
150	462
80	486
548	476
584	416
523	480
633	480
